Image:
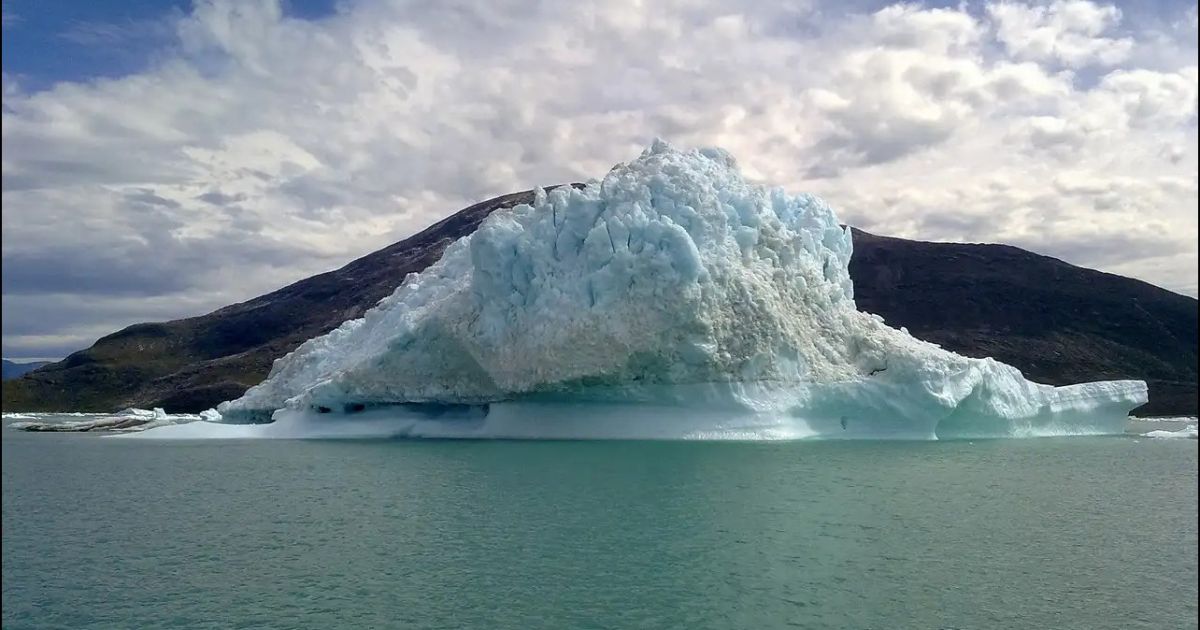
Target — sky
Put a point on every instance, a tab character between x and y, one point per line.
164	159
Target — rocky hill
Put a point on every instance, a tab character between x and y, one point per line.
13	369
1057	322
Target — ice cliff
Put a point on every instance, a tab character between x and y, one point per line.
671	296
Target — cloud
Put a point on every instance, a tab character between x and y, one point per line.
218	198
1070	32
120	33
259	148
57	324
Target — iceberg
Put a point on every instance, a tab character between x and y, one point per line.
670	299
126	420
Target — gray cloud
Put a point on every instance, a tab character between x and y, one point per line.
136	267
54	325
218	198
260	148
146	197
129	272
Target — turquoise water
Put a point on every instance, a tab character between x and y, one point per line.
1088	533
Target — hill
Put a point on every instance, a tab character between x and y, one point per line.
1057	322
13	369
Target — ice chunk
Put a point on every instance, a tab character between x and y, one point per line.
1187	433
125	420
672	284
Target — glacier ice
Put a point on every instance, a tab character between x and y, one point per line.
670	298
126	420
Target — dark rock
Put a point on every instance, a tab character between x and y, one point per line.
1058	323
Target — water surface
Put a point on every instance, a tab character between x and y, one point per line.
1088	533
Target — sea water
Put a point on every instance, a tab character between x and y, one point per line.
1088	533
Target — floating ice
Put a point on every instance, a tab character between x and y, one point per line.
670	299
125	420
1189	432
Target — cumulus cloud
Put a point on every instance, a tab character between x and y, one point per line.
259	148
1070	32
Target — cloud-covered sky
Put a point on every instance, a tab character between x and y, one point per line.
163	159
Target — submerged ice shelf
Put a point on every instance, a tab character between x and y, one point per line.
670	299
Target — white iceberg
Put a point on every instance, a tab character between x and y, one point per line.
126	420
670	299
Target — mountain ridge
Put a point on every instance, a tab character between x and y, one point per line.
15	369
1056	322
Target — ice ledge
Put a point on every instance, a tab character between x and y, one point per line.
713	411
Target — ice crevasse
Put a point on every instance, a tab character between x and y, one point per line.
670	299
